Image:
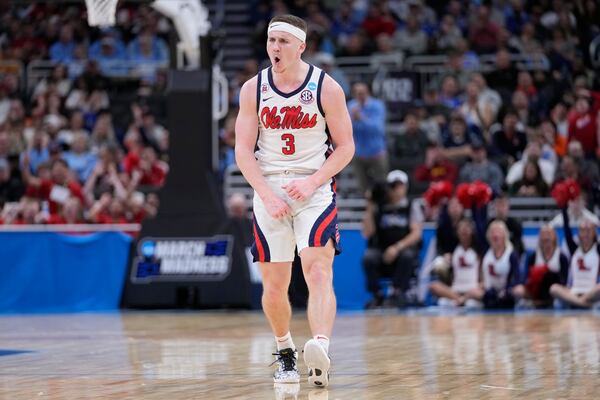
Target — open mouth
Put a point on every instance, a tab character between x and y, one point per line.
276	59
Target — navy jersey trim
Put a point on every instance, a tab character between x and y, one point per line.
319	87
288	95
258	85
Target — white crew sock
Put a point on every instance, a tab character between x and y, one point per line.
285	342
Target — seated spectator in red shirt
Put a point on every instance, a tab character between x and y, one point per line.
436	167
583	121
28	212
108	210
56	190
147	169
71	213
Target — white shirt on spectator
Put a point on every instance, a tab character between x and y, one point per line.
515	172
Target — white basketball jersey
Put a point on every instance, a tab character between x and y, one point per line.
292	131
465	268
584	270
496	270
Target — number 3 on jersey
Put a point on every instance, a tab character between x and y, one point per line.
290	147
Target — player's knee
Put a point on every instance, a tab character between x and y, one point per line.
274	291
319	274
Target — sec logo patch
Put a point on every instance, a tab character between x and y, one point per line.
306	97
264	88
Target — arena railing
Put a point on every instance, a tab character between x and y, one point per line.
72	228
40	69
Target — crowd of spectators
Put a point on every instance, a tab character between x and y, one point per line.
72	148
515	105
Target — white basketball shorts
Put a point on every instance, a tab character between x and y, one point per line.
312	223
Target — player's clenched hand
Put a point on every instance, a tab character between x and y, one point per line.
276	207
300	189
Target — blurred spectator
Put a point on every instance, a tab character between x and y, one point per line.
103	133
583	121
509	140
411	39
58	81
489	101
110	54
62	50
412	143
152	133
586	167
149	53
436	167
11	186
449	92
577	214
370	161
4	103
571	169
344	24
37	152
554	145
105	176
378	20
458	139
326	62
79	158
356	46
71	213
483	33
533	153
56	190
237	210
449	34
446	230
147	169
385	54
393	226
525	112
76	125
558	116
504	77
480	168
108	210
531	184
227	142
527	42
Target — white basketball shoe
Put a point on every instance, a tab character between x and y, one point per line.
318	362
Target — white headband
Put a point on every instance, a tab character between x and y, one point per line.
289	28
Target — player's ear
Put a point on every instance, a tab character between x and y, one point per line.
302	47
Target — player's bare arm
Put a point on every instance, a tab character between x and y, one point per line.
246	132
333	101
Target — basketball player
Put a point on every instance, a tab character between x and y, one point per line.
293	113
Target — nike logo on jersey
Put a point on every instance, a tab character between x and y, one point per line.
267	98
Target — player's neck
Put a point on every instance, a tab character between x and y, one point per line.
292	76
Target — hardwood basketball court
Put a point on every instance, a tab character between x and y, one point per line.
225	355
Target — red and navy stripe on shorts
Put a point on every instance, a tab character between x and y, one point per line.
260	248
325	227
